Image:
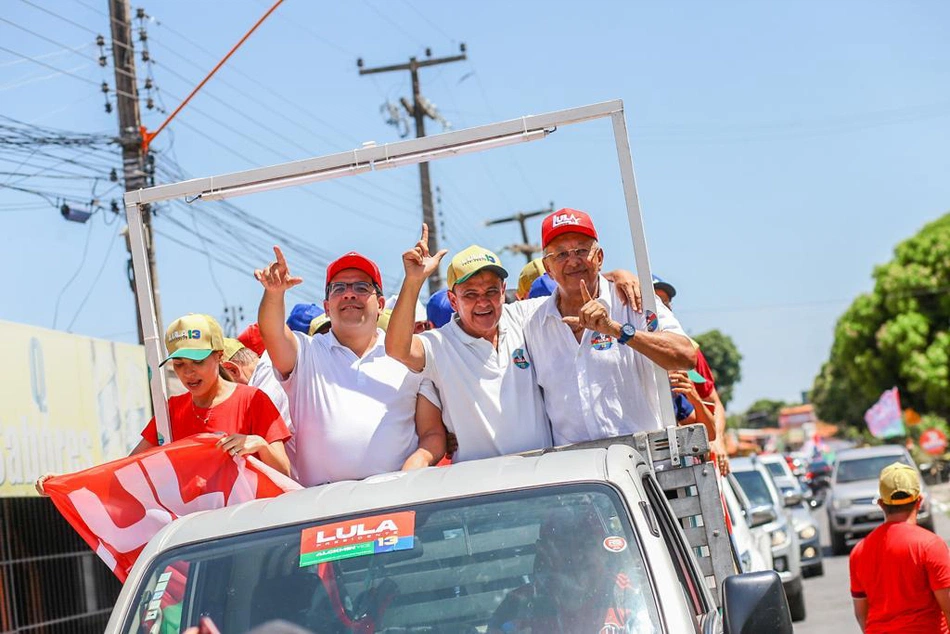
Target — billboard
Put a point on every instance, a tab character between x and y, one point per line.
69	402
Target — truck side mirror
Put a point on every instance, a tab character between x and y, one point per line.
755	602
792	498
761	515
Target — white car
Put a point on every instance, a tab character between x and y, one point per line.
753	545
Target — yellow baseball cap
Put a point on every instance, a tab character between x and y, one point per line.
231	346
317	325
531	271
472	260
383	321
899	484
194	337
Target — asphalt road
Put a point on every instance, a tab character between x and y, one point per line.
827	600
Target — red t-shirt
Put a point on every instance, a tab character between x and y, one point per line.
702	367
896	568
246	411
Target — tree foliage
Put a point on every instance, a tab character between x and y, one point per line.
897	335
723	357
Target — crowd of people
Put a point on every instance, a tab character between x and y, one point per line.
367	385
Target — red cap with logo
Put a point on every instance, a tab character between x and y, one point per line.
354	260
566	221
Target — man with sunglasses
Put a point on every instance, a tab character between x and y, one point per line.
357	412
594	356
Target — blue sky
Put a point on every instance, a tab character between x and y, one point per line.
781	150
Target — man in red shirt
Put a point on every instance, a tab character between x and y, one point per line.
900	573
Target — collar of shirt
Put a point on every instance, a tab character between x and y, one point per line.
468	339
379	345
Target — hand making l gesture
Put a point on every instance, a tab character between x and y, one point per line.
276	277
417	262
593	315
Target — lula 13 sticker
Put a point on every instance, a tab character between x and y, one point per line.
600	341
653	321
615	544
357	537
520	359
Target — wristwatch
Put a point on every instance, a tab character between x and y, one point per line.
627	331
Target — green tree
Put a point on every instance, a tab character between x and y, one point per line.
724	359
764	413
897	335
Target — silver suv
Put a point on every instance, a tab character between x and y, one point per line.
759	487
852	504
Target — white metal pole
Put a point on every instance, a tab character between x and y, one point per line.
640	253
150	326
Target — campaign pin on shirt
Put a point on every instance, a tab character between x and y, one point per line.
518	356
653	322
600	341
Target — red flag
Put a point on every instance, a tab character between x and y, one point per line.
118	506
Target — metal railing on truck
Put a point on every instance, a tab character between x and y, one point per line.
679	457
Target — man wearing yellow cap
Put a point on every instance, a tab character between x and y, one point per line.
478	361
900	573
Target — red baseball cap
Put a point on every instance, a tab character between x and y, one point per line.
566	221
251	338
354	260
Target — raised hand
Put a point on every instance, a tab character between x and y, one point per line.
593	315
276	276
417	262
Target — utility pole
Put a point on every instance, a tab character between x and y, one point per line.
134	156
419	109
525	247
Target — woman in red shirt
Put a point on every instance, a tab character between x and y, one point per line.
249	420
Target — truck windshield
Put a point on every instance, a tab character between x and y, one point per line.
855	469
554	559
755	487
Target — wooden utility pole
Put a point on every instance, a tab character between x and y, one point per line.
419	109
525	247
134	156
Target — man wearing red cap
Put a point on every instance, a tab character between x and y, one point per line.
594	356
356	411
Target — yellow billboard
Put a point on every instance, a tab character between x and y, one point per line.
69	402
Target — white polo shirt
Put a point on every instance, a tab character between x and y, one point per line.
596	388
263	378
490	398
354	417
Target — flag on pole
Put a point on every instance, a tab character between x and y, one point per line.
117	507
884	419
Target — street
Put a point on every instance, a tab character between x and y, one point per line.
827	598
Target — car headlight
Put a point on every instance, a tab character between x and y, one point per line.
779	538
841	503
807	533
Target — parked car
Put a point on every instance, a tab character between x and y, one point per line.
786	552
753	545
806	526
852	502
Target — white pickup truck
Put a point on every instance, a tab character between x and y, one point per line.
587	538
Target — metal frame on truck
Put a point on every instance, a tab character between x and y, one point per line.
369	158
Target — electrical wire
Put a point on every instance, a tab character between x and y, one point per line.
82	262
95	280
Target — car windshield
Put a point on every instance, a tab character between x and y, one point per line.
775	468
854	469
550	559
755	487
